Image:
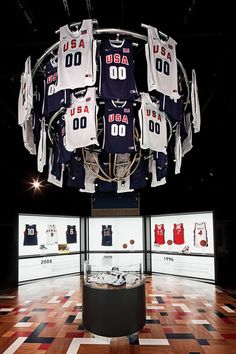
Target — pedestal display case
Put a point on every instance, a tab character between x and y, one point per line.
113	299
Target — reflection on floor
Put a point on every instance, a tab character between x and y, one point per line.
182	316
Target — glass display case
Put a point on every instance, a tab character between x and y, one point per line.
113	298
110	276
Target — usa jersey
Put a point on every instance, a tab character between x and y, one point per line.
71	234
51	235
76	57
118	124
81	121
30	235
152	125
117	70
106	235
53	100
161	64
178	233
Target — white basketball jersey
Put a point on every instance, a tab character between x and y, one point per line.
25	98
178	150
51	235
76	57
161	64
81	121
200	235
195	104
42	148
152	125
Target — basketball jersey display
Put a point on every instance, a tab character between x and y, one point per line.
76	57
161	64
118	123
117	70
200	235
25	99
71	234
81	120
30	235
152	124
178	234
53	100
51	235
159	234
106	235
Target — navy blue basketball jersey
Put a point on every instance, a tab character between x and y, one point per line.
117	70
71	234
76	175
53	100
118	125
138	179
30	235
106	235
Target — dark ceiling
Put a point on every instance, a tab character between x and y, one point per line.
204	33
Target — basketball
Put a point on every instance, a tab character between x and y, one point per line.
125	245
131	242
169	242
203	243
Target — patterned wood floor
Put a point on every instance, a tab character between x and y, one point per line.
182	316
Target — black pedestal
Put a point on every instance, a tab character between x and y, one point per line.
114	312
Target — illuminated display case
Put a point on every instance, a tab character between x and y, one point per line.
113	299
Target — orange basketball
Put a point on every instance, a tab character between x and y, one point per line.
131	242
169	242
125	245
203	243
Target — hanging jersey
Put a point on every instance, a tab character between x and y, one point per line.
161	64
30	235
42	148
139	176
118	125
159	234
187	142
51	235
178	150
81	121
117	70
76	57
54	179
91	171
178	234
53	100
28	136
195	104
172	107
200	235
25	98
106	235
152	124
71	234
76	173
158	178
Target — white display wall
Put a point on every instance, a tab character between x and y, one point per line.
46	245
126	240
183	244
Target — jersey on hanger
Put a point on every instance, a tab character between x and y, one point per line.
53	100
117	70
161	64
81	120
118	125
76	57
30	235
152	125
25	98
